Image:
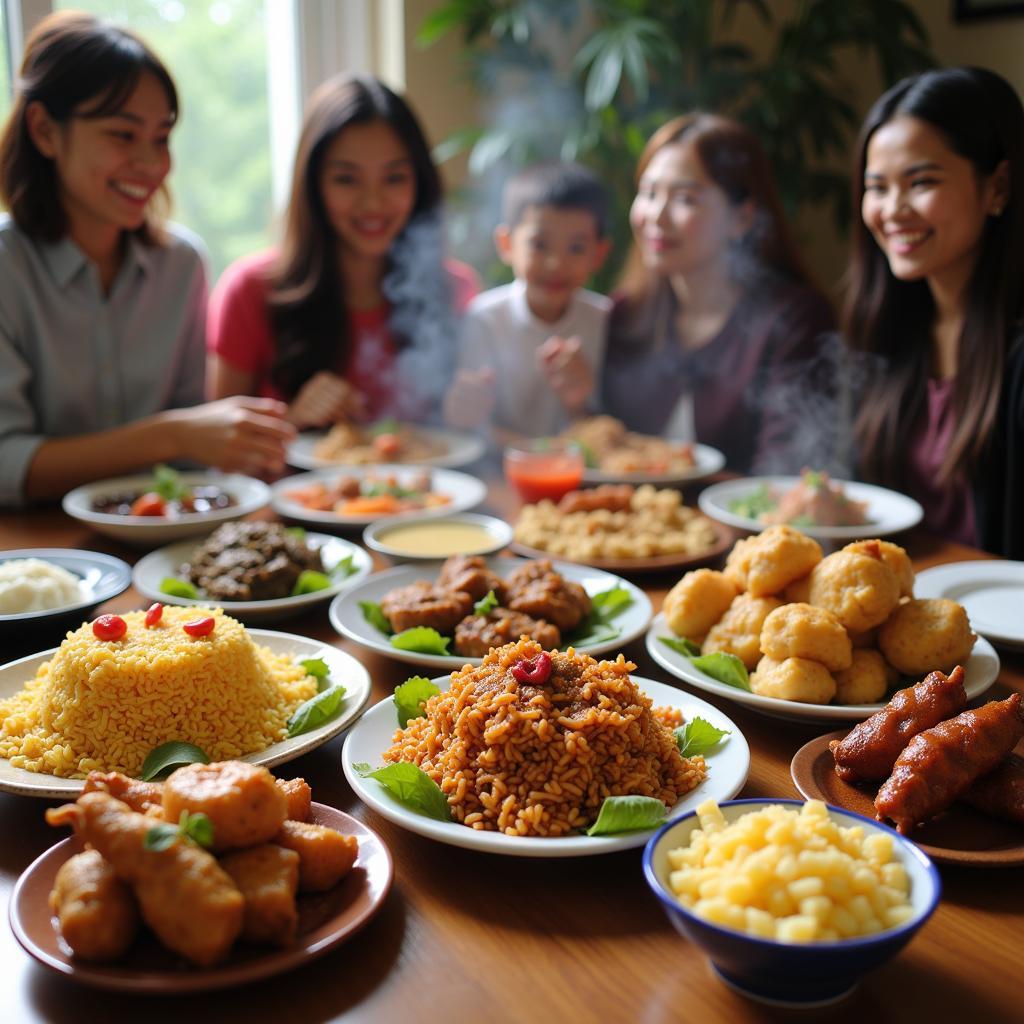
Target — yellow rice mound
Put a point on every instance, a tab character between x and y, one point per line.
106	704
539	760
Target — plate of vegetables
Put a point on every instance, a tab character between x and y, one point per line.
164	505
254	571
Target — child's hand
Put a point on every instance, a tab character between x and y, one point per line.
568	373
470	399
324	400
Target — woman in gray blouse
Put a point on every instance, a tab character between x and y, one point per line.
102	310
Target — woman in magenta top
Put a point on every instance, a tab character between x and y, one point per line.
354	316
937	300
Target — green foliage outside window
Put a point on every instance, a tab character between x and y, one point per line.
217	53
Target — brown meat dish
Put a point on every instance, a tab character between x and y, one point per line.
537	590
471	574
475	635
613	497
249	561
425	604
1000	793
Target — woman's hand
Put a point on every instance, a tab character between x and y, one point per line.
246	435
324	400
470	399
567	371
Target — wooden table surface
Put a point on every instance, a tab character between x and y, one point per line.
465	936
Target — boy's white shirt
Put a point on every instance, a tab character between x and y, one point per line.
499	331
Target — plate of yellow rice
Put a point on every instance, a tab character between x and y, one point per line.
95	704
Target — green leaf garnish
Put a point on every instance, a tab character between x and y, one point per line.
178	588
410	697
610	603
726	668
588	633
342	569
411	786
314	712
421	640
310	581
168	484
698	737
319	670
162	760
681	645
755	504
596	628
485	604
387	426
628	814
375	617
195	828
296	531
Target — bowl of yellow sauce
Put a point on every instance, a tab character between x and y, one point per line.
437	538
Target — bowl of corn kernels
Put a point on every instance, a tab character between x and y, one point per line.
793	902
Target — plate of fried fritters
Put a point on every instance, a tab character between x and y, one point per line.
549	601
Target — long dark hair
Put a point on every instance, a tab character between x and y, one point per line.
980	117
736	162
74	64
307	307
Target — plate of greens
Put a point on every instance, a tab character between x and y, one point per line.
723	746
159	577
620	613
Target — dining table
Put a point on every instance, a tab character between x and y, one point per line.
466	936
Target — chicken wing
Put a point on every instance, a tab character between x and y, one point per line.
267	876
325	856
939	764
145	797
185	897
870	750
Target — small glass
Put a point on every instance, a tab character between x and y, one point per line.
546	468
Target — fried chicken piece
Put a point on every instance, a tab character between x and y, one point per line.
536	589
242	801
185	897
299	796
325	856
871	748
267	877
144	797
96	911
475	635
939	765
471	574
1000	793
697	602
425	604
613	497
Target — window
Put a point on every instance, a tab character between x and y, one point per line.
217	55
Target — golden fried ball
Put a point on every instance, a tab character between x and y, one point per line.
859	590
925	635
798	591
804	631
772	560
866	680
739	630
893	555
797	679
697	602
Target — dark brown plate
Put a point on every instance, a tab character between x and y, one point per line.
724	538
961	835
325	919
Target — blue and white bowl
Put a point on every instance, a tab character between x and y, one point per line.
782	973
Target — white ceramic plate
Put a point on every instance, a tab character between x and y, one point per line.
463	491
727	764
887	512
146	531
707	460
992	591
347	617
151	569
343	667
980	671
100	577
460	449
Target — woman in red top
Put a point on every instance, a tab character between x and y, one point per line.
354	316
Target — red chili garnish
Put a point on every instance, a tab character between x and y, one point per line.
149	504
109	627
154	614
200	627
533	670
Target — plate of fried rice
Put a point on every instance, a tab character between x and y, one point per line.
526	767
105	704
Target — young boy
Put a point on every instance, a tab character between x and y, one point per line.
530	351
